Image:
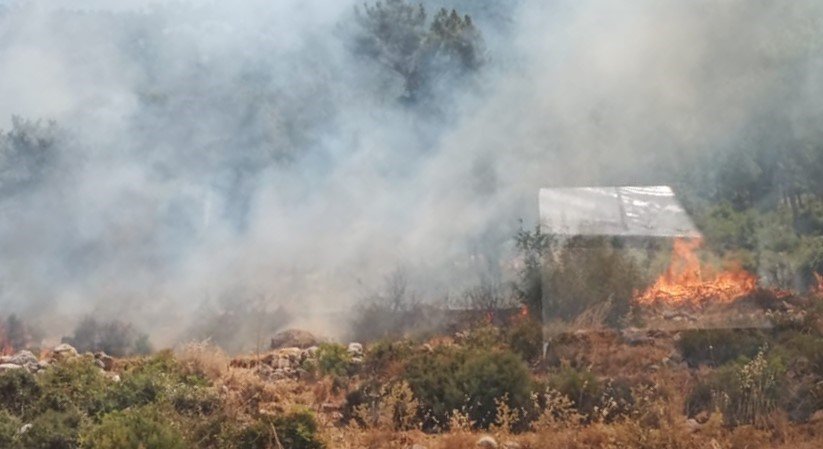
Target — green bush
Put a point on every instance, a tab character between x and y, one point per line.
802	399
699	399
452	378
258	434
54	430
806	347
74	383
483	337
748	391
333	359
137	428
298	429
526	339
9	426
294	430
589	274
385	354
19	391
134	390
580	386
194	400
718	346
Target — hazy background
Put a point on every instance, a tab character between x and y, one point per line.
210	152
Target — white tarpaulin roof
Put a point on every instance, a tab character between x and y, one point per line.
652	211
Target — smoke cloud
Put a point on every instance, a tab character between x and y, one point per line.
208	149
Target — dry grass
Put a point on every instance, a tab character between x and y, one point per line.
204	359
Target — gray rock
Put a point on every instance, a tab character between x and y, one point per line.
282	363
692	425
106	360
634	336
65	351
23	358
418	446
486	442
291	338
293	354
26	427
8	367
511	445
355	349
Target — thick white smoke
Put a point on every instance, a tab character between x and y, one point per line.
212	145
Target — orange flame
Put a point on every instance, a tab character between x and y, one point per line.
688	283
5	344
817	288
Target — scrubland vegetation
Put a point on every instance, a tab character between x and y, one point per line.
597	389
232	155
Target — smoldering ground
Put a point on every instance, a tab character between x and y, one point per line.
226	152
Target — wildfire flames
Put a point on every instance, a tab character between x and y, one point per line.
5	344
688	283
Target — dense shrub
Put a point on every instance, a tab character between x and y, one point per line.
194	400
257	434
526	339
749	392
9	427
159	378
580	386
18	391
589	274
746	391
484	337
807	348
54	430
802	399
136	428
298	429
74	384
471	380
699	399
718	346
333	359
386	357
135	390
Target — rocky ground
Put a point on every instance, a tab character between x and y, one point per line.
486	386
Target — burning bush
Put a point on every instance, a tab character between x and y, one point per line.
15	335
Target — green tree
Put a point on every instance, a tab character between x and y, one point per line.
396	35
